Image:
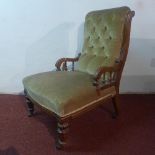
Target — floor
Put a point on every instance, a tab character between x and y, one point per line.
132	133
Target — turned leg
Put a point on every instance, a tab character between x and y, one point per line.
115	101
30	105
62	129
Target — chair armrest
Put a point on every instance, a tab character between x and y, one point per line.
62	62
106	77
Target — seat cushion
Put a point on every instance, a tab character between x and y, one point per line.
64	92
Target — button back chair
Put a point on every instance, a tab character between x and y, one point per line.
95	76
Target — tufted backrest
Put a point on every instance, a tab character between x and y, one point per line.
103	37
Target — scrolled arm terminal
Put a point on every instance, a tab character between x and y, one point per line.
62	63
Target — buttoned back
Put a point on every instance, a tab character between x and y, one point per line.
103	36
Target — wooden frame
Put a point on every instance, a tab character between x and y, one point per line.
115	73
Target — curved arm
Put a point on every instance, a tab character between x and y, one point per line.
63	62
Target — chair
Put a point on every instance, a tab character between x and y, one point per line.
94	76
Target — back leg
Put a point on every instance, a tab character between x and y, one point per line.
115	101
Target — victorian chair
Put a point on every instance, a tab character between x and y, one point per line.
95	76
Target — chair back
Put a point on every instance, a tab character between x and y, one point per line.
106	34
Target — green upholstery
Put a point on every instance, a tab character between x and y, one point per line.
103	35
63	92
66	92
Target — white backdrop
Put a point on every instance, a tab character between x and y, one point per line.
35	33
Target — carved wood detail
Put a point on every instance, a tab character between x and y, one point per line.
63	63
62	130
29	104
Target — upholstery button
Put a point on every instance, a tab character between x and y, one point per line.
110	37
106	55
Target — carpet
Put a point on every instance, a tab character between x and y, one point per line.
132	133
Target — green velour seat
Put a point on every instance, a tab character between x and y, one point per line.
64	92
95	74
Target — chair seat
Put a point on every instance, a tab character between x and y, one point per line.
64	92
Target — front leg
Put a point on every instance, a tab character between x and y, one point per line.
29	104
62	129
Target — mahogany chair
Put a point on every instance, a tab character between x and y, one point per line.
95	76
